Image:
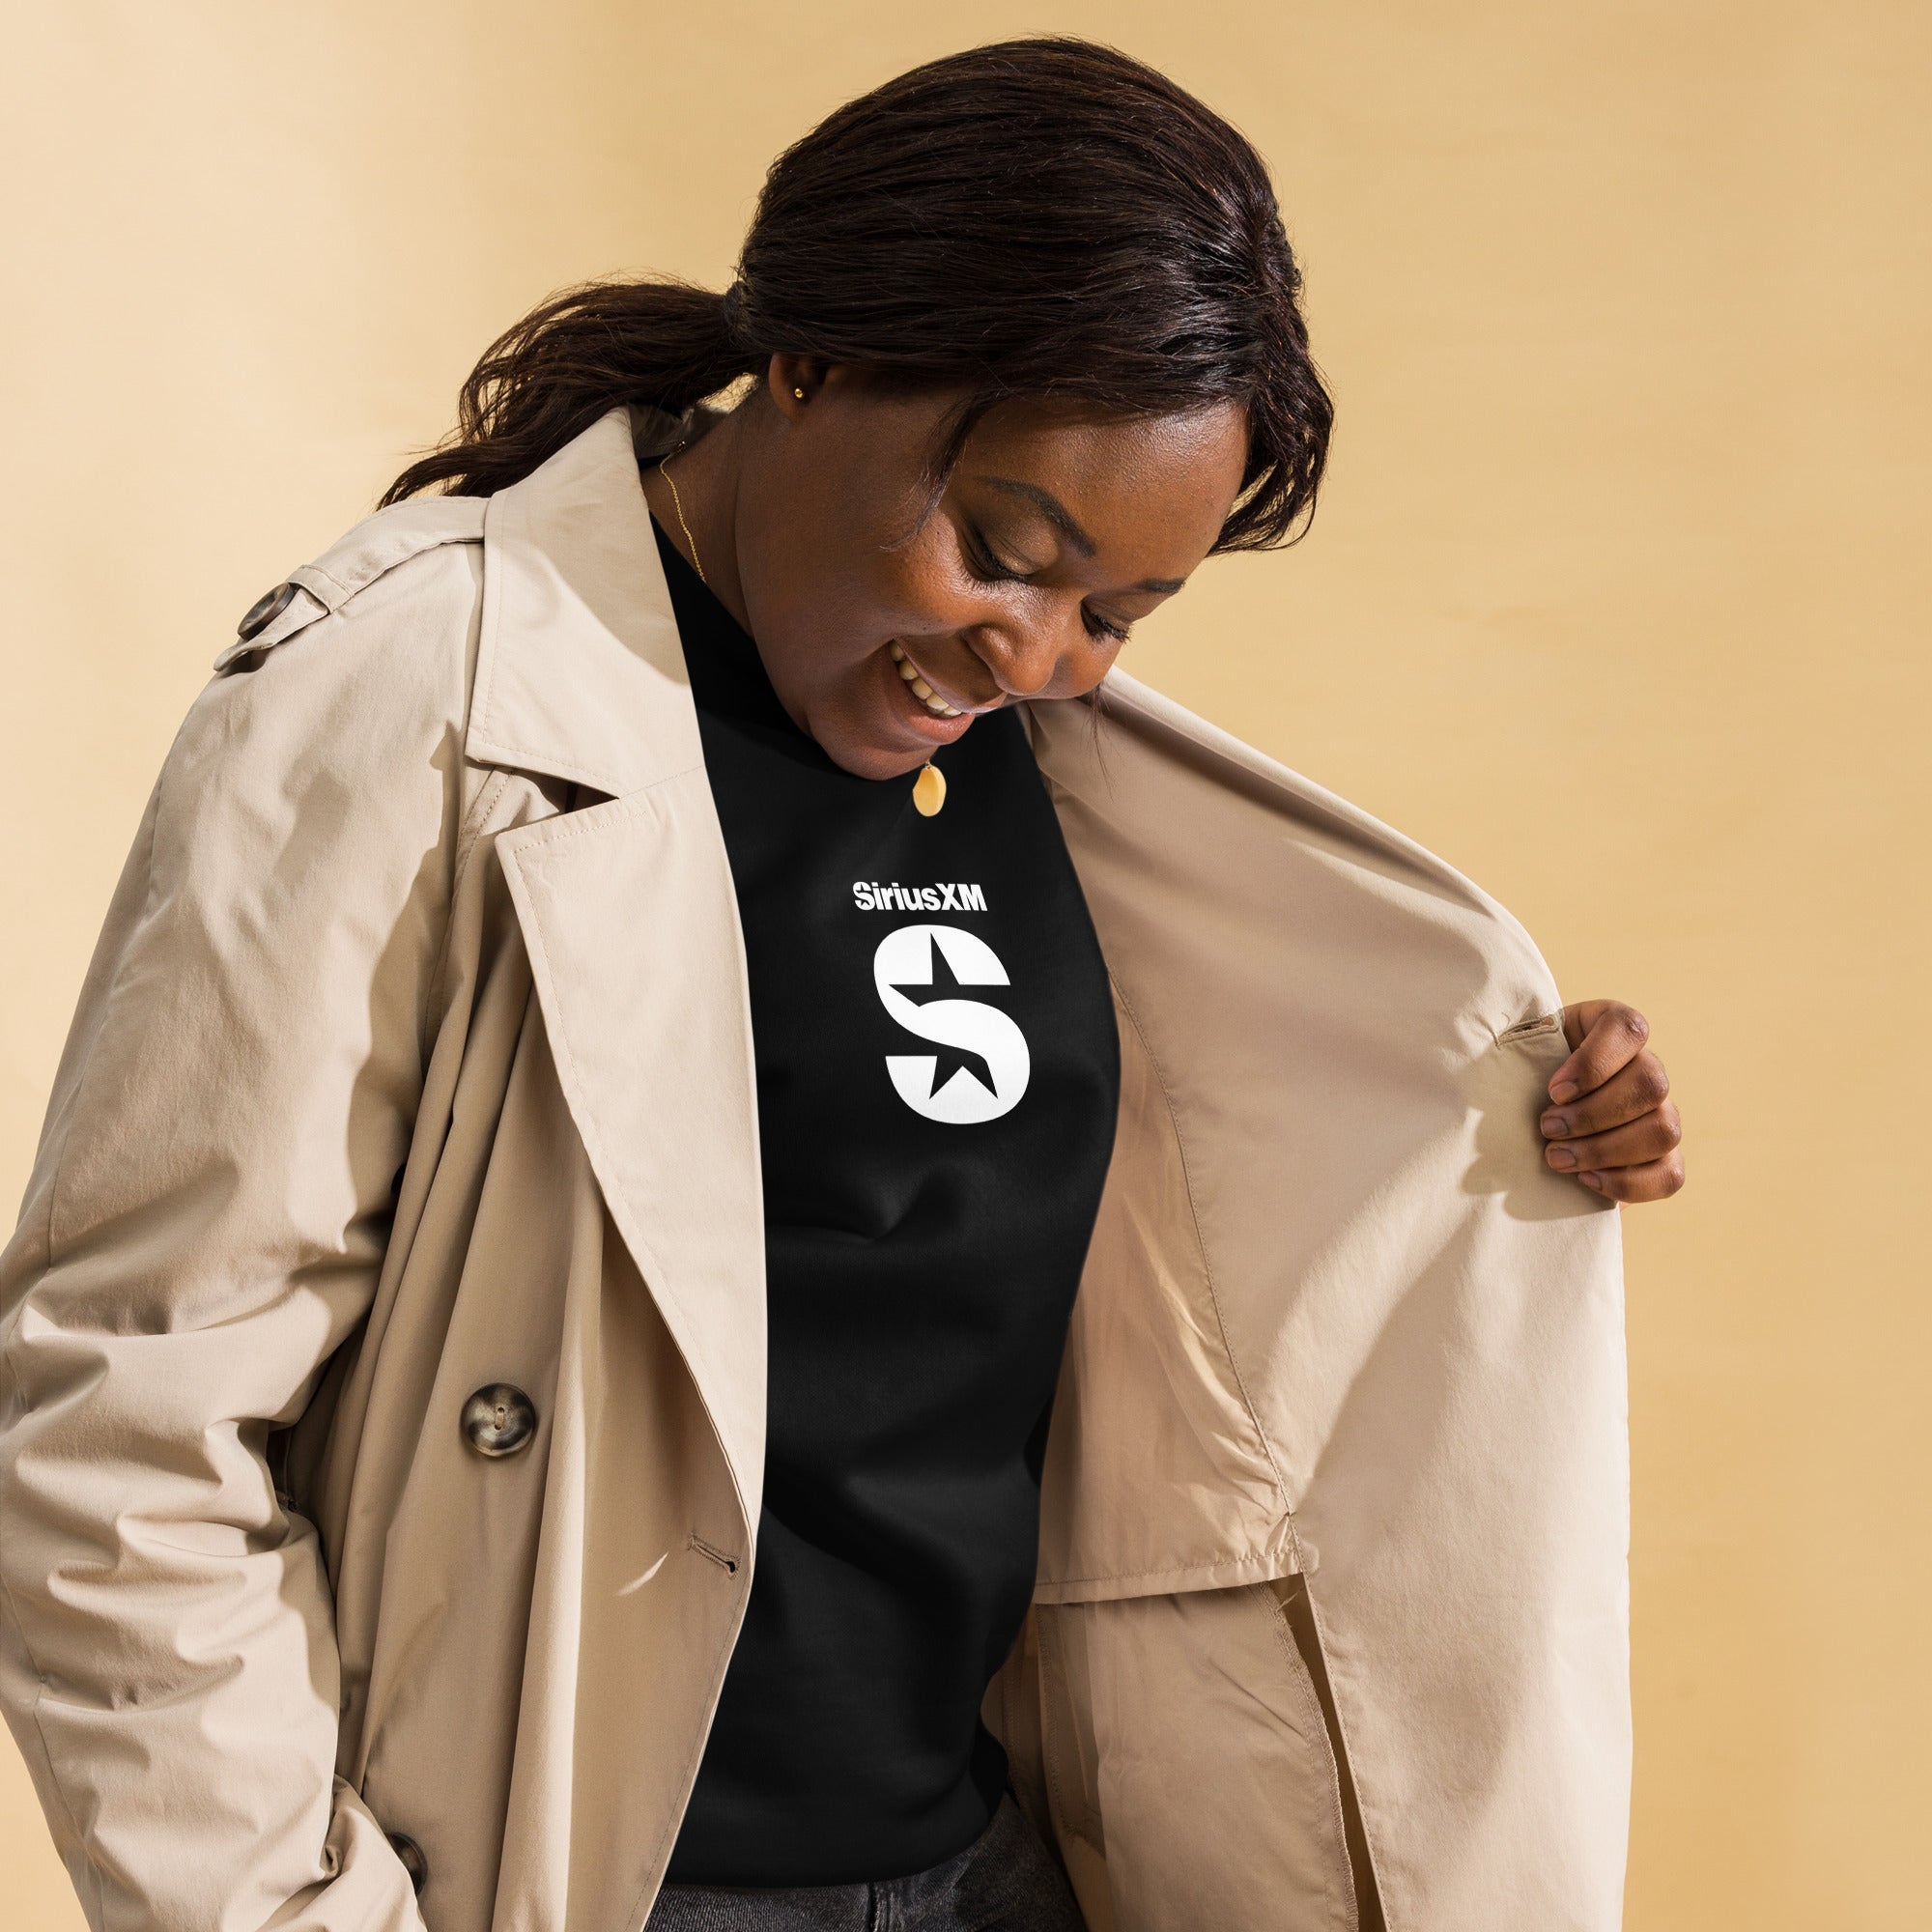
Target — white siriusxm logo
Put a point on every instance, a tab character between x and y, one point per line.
872	896
986	1062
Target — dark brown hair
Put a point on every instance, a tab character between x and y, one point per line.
1040	219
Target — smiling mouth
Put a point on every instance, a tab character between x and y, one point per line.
919	686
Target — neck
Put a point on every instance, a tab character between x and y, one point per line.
706	473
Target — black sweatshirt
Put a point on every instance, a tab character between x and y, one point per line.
937	1077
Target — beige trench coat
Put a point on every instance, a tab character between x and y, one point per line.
414	1058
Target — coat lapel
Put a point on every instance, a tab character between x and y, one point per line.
627	906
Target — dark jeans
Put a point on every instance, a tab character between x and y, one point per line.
1004	1880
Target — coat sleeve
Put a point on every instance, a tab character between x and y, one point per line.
205	1224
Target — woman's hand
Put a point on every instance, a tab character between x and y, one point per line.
1611	1124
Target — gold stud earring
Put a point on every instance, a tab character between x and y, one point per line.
800	394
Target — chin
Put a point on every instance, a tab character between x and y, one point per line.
872	760
890	751
879	730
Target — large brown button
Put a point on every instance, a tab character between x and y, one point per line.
263	611
412	1855
499	1420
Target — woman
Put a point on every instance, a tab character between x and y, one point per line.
648	980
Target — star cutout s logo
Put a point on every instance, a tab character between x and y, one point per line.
921	973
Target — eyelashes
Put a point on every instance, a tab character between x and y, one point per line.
983	564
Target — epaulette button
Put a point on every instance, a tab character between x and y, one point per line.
263	611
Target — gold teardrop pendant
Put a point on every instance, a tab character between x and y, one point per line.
929	790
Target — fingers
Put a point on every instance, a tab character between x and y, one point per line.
1636	1143
1607	1036
1628	1094
1611	1127
1654	1180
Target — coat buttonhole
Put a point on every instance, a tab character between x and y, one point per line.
1527	1029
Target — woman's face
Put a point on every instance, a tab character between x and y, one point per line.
1056	532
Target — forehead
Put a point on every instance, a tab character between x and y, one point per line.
1168	480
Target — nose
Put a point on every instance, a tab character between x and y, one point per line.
1021	656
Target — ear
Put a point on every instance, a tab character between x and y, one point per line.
792	382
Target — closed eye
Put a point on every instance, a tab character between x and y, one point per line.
984	565
990	569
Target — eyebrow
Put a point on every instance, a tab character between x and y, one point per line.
1061	519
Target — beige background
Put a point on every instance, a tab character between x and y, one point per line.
1613	600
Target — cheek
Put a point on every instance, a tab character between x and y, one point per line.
830	614
920	593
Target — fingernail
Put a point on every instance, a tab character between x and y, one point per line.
1555	1126
1563	1090
1563	1156
1595	1181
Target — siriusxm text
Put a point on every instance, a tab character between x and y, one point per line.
870	896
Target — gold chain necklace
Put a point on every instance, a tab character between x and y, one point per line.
929	789
678	503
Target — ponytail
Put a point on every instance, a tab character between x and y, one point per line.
567	364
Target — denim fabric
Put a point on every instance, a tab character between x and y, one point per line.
1004	1880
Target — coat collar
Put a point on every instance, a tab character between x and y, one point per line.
580	673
